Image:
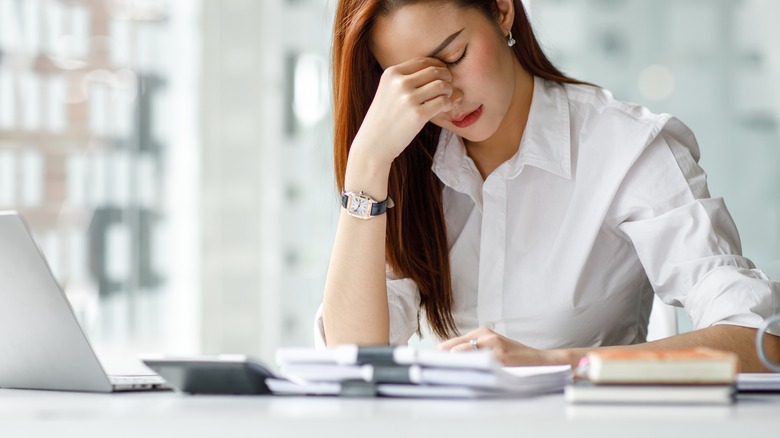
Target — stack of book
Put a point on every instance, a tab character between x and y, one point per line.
690	376
408	372
758	382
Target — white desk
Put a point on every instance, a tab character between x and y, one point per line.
53	414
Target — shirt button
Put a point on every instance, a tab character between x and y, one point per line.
490	325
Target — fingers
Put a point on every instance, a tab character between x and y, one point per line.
424	84
470	346
427	75
433	98
417	73
506	351
427	91
414	65
434	106
451	343
485	338
433	89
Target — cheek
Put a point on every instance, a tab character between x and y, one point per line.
481	74
482	65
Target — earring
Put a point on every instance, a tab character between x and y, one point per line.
510	40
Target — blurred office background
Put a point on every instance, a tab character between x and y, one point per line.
173	157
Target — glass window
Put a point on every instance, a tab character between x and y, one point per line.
174	157
88	157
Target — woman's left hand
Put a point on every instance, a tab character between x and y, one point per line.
507	351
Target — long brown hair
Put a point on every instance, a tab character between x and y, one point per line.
416	238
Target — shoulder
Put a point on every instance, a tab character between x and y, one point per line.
595	104
600	120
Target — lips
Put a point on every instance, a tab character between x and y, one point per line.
467	119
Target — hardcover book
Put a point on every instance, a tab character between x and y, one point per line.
585	392
686	366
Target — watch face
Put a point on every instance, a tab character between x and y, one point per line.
359	206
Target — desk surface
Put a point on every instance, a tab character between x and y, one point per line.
43	413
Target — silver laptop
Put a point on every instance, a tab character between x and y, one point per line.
42	345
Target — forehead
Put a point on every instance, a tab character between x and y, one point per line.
416	30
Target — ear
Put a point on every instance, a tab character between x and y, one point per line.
506	17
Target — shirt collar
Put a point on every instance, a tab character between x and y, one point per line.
546	142
451	163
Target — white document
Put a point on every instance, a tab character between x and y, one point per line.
407	372
402	355
428	382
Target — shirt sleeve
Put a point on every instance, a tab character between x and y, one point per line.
687	241
403	300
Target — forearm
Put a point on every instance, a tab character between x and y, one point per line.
739	340
407	97
355	300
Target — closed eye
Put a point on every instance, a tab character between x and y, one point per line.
457	61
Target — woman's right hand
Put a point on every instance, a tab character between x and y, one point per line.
355	308
408	96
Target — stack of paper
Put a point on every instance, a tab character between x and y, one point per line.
408	372
699	376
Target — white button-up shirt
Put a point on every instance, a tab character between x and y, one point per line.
564	244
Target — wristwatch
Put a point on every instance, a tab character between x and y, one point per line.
362	206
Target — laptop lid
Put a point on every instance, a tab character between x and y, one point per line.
42	345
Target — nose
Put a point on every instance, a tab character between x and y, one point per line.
457	95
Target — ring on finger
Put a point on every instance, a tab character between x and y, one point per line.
473	342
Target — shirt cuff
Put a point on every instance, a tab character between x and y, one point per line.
734	296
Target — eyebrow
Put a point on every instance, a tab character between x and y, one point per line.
445	43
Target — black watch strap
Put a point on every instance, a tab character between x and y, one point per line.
378	208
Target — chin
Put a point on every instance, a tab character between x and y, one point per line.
475	134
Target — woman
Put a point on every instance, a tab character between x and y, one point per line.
511	207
